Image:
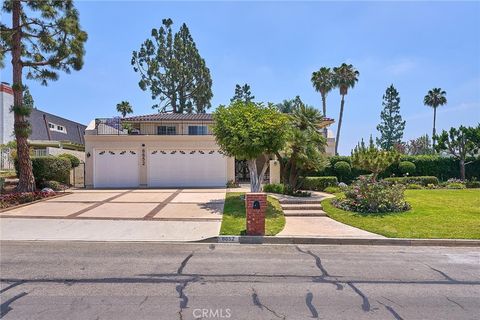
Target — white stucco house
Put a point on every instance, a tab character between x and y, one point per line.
159	151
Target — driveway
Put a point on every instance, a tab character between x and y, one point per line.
119	215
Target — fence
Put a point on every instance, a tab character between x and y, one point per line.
6	162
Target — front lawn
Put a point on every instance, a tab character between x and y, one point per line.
434	214
234	221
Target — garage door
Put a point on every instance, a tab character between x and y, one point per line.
116	169
186	168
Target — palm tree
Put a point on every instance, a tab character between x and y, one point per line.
344	77
322	81
435	98
124	108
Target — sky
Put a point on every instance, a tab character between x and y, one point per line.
275	47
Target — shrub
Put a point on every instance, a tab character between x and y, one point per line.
51	168
342	169
274	188
367	196
332	190
424	180
473	184
414	186
407	167
54	185
455	185
232	184
319	183
73	160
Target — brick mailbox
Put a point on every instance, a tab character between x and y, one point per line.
256	204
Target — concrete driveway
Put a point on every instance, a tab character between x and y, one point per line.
137	214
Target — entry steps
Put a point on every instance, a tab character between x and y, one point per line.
302	208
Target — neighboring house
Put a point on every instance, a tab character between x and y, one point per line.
50	134
159	150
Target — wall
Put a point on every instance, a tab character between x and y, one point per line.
56	151
6	117
186	142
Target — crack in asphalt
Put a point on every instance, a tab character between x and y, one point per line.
392	301
392	311
311	307
184	263
446	276
455	302
13	285
143	301
256	302
5	306
365	303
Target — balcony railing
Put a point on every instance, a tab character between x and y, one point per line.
119	126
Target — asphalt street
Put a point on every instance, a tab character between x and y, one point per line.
74	280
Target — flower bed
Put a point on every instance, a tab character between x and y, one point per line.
14	199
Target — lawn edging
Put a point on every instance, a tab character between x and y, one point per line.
342	241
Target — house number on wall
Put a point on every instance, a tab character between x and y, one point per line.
143	157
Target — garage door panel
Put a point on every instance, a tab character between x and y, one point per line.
173	168
116	169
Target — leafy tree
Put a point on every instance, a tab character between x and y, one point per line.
124	108
242	93
171	67
372	159
305	147
248	130
460	143
419	146
435	98
45	37
322	81
344	78
391	128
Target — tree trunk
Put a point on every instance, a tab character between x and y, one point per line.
292	180
256	179
26	181
324	108
434	131
342	104
462	169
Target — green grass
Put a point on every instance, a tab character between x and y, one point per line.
7	174
435	214
234	221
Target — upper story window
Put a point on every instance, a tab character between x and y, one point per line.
197	130
166	130
56	127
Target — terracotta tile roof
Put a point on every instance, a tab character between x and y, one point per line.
172	117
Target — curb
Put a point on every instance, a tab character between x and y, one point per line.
343	241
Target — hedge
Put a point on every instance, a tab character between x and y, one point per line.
319	183
443	168
423	180
49	168
75	162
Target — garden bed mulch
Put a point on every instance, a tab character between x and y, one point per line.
57	195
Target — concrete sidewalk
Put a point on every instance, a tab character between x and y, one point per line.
106	230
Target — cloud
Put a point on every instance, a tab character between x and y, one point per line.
401	67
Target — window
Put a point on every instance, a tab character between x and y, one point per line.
56	127
197	130
166	130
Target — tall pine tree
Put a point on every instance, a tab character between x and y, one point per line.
391	127
171	67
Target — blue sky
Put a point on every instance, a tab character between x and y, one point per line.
275	46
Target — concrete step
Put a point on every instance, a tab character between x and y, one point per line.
304	213
299	201
301	206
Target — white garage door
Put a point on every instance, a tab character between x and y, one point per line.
186	168
116	168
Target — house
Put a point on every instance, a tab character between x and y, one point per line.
156	151
50	134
